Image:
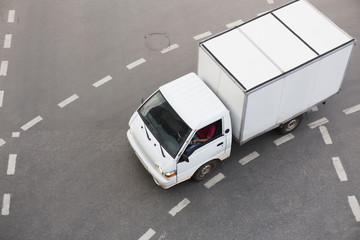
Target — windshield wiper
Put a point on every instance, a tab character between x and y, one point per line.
161	148
147	134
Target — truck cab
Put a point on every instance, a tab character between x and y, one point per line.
163	126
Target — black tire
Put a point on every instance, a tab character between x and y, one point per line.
205	170
291	125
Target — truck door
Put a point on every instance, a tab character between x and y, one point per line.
202	153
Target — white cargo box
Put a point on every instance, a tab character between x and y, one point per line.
275	67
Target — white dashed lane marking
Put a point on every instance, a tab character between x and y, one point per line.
31	123
170	48
339	169
325	135
15	134
352	109
284	139
234	24
2	142
5	210
136	63
315	109
3	68
148	234
102	81
1	98
11	164
249	158
270	1
318	123
68	100
181	205
355	208
203	35
214	180
11	16
7	41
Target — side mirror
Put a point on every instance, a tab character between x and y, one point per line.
184	158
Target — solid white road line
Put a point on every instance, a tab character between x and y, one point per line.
15	134
68	100
7	41
2	142
148	234
318	123
136	63
102	81
1	97
203	35
284	139
339	169
11	16
325	135
170	48
249	158
5	210
181	205
11	164
355	208
31	123
234	24
352	109
3	68
214	180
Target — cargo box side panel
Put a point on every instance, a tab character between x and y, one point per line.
330	75
233	97
208	70
261	111
297	91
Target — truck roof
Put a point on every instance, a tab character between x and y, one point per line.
195	103
275	43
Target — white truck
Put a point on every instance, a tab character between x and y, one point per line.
261	75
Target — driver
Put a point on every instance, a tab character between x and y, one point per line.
202	135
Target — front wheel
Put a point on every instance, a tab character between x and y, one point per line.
205	170
290	125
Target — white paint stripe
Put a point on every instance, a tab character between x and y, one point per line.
136	63
15	134
5	210
11	164
339	169
102	81
318	123
7	41
284	139
352	109
315	109
31	123
68	100
148	234
1	98
249	158
11	16
234	24
170	48
325	135
270	1
355	208
179	207
2	142
203	35
214	180
3	68
262	13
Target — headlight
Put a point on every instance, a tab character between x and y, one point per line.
159	169
131	131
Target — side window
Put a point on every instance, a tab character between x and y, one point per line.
204	136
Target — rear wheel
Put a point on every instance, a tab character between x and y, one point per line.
205	170
291	125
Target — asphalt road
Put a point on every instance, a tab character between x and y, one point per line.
76	177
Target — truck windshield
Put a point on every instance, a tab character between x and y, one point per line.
164	123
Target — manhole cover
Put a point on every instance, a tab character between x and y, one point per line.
156	41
